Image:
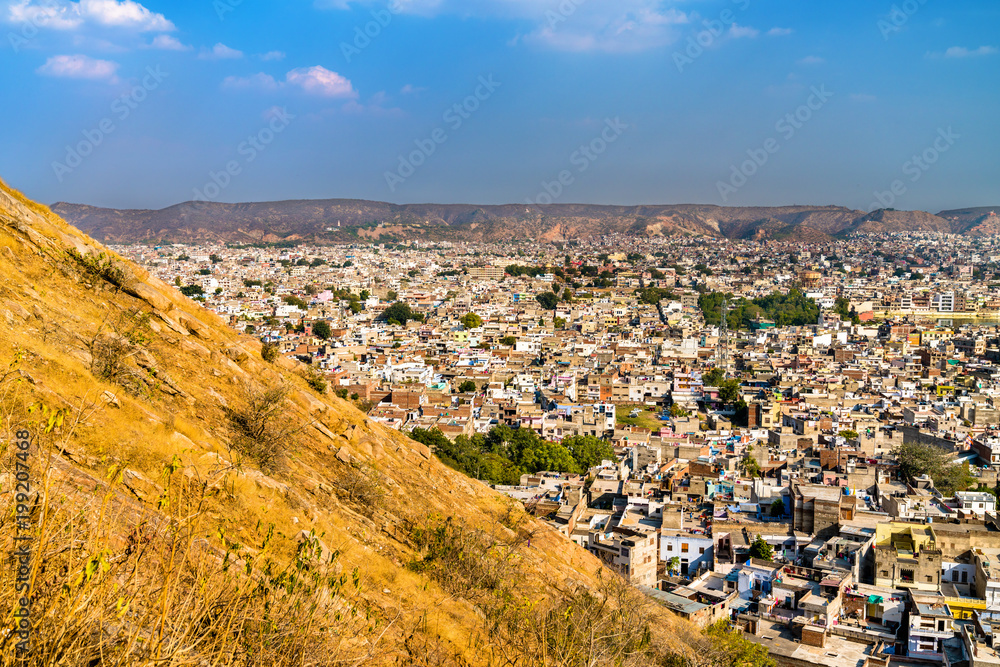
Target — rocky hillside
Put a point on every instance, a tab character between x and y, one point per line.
190	503
336	220
982	221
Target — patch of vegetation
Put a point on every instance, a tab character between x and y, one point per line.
362	487
192	290
259	427
504	454
916	459
316	381
721	646
471	321
322	330
548	300
400	313
532	271
101	267
118	340
792	309
293	300
653	295
269	352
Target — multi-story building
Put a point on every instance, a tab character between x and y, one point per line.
907	556
693	551
931	623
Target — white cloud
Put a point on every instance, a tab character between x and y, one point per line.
316	80
632	25
168	43
812	60
962	52
410	89
736	31
273	55
779	32
67	15
568	25
220	52
80	67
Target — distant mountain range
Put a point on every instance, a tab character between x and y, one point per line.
339	220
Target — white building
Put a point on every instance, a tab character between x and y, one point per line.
693	551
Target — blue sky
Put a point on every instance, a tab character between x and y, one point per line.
742	102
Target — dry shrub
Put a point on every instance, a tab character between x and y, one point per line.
466	561
362	487
117	341
258	427
269	352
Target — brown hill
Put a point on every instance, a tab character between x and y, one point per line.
341	220
189	503
981	221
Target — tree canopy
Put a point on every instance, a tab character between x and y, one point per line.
916	459
548	300
759	548
504	454
322	329
792	309
471	321
400	313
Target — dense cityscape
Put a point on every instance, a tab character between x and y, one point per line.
782	434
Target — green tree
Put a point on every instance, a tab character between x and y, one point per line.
399	313
192	290
548	300
713	378
749	464
777	507
729	391
674	565
467	387
322	330
509	341
677	411
849	434
916	459
588	451
471	321
759	548
293	300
